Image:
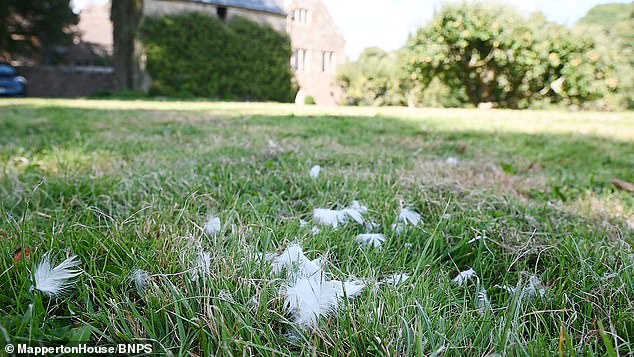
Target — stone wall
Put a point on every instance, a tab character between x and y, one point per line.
317	34
173	7
67	82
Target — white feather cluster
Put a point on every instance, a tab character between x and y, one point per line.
308	292
335	218
54	281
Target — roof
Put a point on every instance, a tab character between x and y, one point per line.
271	6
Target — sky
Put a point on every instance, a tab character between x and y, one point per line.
388	23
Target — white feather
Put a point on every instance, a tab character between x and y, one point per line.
371	225
308	298
213	226
353	287
140	278
409	217
533	289
482	301
295	263
359	207
354	214
452	161
55	281
396	279
371	239
334	218
464	276
329	217
398	228
314	171
203	265
406	218
308	293
509	289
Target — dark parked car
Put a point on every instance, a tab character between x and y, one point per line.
11	84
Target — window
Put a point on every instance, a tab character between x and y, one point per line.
221	11
300	15
300	60
328	62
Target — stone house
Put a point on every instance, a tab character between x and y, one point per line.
318	46
318	50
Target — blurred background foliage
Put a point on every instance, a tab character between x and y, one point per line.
35	29
476	55
184	59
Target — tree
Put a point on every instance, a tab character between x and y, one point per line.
33	28
377	78
126	16
611	27
494	55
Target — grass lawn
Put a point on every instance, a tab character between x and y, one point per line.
128	185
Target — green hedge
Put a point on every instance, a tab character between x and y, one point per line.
197	55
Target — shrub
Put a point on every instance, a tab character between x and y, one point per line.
310	100
377	78
495	56
197	55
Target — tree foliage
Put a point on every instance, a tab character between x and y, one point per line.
473	53
380	78
496	56
197	55
612	27
375	79
34	27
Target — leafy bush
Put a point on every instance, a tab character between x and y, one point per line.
476	53
197	55
496	56
611	27
310	100
380	78
377	78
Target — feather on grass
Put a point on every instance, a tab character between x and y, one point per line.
374	240
335	218
465	276
396	279
213	225
55	281
314	171
308	292
140	278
